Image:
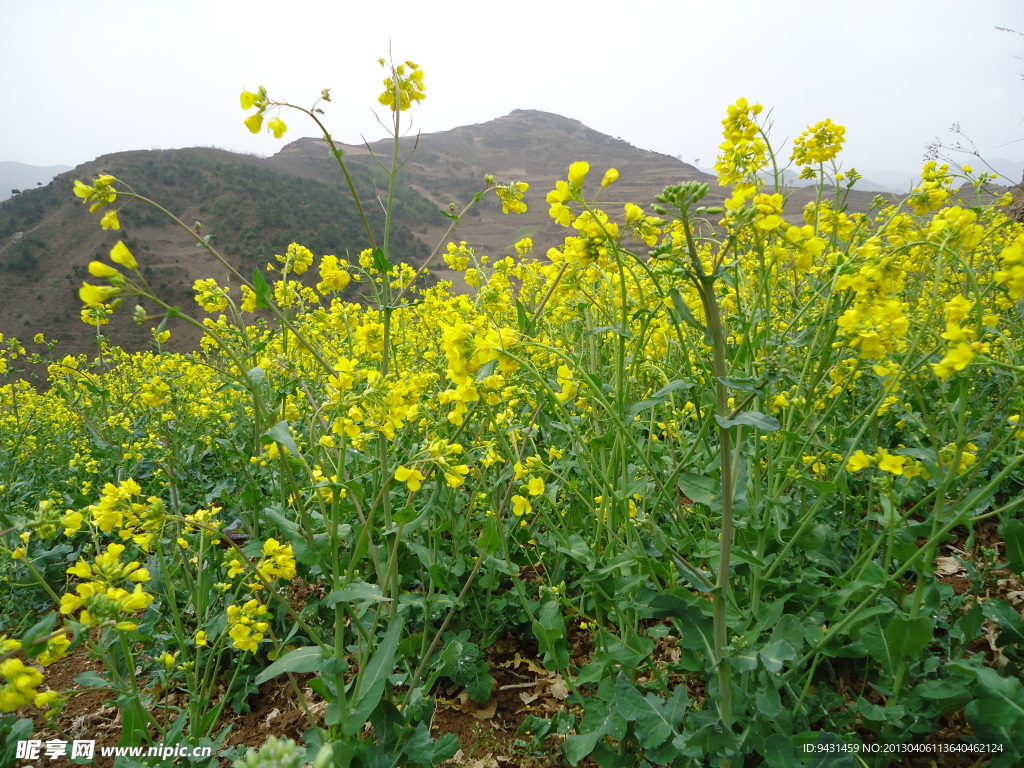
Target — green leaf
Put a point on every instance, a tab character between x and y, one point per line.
652	727
91	680
779	752
525	320
256	375
616	329
360	590
699	489
746	384
1007	618
696	627
264	294
908	637
279	433
423	750
754	419
550	631
32	641
1013	538
673	386
641	405
133	721
380	262
789	628
490	539
372	679
683	311
767	699
579	551
307	659
775	653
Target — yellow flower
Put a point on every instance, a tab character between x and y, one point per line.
167	659
254	122
511	197
120	254
248	99
94	295
887	462
610	177
536	485
578	173
819	143
407	82
413	478
277	127
201	639
859	461
99	269
521	506
110	220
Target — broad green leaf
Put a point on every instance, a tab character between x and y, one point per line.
683	310
369	685
423	750
767	700
279	433
908	637
696	627
380	262
91	680
699	489
746	384
264	293
779	752
775	654
491	537
616	329
579	551
550	631
754	419
652	727
524	320
307	659
789	628
1007	618
359	590
673	386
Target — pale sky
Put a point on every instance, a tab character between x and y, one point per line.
81	79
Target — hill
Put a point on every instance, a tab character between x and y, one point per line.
254	207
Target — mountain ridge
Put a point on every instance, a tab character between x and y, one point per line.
254	207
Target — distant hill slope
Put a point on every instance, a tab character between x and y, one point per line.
47	237
254	207
19	176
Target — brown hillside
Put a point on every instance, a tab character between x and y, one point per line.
256	206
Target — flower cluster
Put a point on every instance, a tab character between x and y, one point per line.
819	143
744	151
20	684
103	600
407	82
511	196
247	623
261	103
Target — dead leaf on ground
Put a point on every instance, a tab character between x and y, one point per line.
464	703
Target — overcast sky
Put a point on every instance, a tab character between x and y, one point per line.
81	79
